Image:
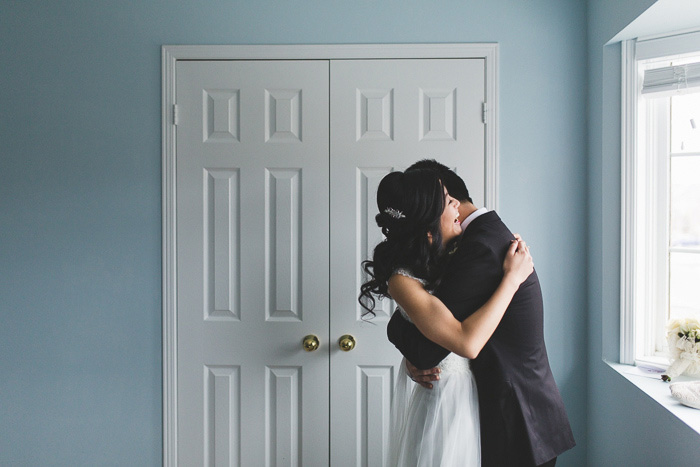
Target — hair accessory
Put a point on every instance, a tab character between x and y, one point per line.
395	213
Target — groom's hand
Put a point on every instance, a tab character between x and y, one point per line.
423	377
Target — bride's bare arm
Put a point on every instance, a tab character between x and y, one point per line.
436	322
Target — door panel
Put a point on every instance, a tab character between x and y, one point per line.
385	115
275	212
252	254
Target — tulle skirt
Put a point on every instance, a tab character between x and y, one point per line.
439	426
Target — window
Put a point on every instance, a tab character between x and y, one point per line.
660	193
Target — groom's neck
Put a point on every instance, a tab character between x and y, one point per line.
465	208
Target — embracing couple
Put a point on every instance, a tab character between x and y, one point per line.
469	325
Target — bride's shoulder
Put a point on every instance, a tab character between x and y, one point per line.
407	273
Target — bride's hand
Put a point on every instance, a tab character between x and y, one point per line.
518	264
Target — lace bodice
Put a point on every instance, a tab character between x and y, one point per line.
453	363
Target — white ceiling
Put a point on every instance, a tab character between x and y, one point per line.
662	18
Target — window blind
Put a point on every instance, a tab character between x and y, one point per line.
672	80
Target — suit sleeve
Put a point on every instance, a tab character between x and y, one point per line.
473	277
459	293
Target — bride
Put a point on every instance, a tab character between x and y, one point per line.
419	219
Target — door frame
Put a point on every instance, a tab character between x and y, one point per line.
170	54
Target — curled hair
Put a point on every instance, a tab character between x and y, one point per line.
419	196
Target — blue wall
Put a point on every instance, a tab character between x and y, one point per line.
80	193
625	426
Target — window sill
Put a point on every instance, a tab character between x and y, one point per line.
651	385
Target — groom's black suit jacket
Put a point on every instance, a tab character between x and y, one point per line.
523	420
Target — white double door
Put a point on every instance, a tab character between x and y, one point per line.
276	175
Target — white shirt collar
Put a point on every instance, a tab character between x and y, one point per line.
473	216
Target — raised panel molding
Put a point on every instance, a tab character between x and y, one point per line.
368	179
375	114
222	408
282	407
222	258
374	412
283	244
221	119
283	115
438	116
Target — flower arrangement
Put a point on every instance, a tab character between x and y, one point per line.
683	337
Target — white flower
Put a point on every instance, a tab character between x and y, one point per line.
682	334
674	325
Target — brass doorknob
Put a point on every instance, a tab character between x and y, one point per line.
310	343
346	342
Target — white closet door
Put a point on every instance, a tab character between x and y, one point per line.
266	254
385	115
252	262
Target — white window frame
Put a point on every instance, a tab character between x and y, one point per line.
641	327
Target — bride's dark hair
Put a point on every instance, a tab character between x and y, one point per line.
410	205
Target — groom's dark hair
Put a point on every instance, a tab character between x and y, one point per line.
453	182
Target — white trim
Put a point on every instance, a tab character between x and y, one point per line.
329	52
641	327
628	176
491	151
172	53
658	142
169	272
680	44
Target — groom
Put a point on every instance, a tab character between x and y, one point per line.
523	420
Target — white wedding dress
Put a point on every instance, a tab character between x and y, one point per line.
439	426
